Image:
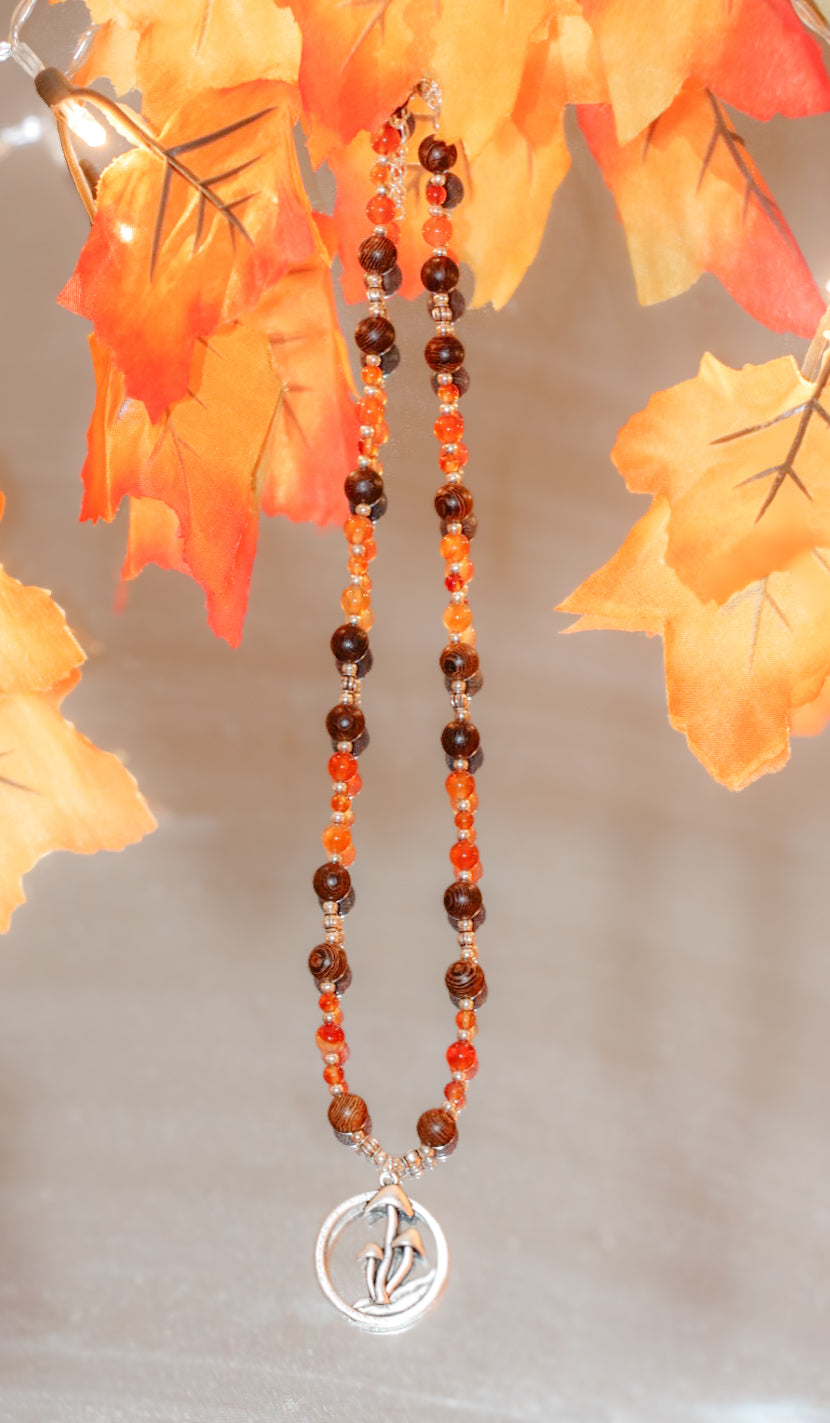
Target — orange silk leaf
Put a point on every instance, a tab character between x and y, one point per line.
203	458
703	444
734	673
36	647
754	53
151	324
173	50
692	201
313	437
58	791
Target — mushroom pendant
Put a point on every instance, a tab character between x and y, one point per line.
392	1263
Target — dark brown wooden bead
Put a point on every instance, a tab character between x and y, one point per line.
444	353
378	510
436	1128
344	906
363	666
440	273
349	1114
460	738
392	280
462	899
466	980
360	743
469	526
455	191
390	360
409	124
458	661
328	964
458	305
331	881
363	486
374	335
345	723
349	643
435	155
377	253
453	502
460	379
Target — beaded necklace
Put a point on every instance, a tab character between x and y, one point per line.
401	1275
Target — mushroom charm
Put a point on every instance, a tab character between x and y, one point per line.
402	1276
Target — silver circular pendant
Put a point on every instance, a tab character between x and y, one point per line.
386	1275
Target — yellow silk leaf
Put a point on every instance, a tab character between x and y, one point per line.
703	445
57	790
734	673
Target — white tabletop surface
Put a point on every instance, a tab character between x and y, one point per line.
639	1210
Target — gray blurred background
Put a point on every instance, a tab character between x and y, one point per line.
639	1212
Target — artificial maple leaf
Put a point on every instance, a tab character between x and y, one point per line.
734	673
203	459
58	791
313	437
692	201
743	457
36	647
154	536
755	54
171	51
169	259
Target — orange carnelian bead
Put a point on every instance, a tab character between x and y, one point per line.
330	1037
367	445
358	529
342	766
332	1075
463	855
468	637
382	432
369	410
341	804
449	428
450	461
367	620
460	785
372	375
348	856
354	601
464	820
437	231
366	583
457	617
380	210
379	172
357	564
336	839
454	582
355	784
472	801
462	1057
466	1019
449	394
456	1092
370	548
328	1002
454	548
387	140
436	193
476	872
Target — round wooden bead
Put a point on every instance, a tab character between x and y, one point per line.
375	334
471	685
348	1114
453	502
327	963
345	723
392	280
458	661
350	643
436	1128
439	273
390	360
378	509
435	155
462	900
454	190
332	881
466	980
444	353
377	254
460	738
363	486
458	305
469	526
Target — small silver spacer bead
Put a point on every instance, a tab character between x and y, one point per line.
349	669
358	1137
332	921
340	787
459	764
464	1035
380	1159
329	906
336	1089
332	1059
465	926
344	745
466	1005
327	986
458	1077
369	1146
469	954
337	818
